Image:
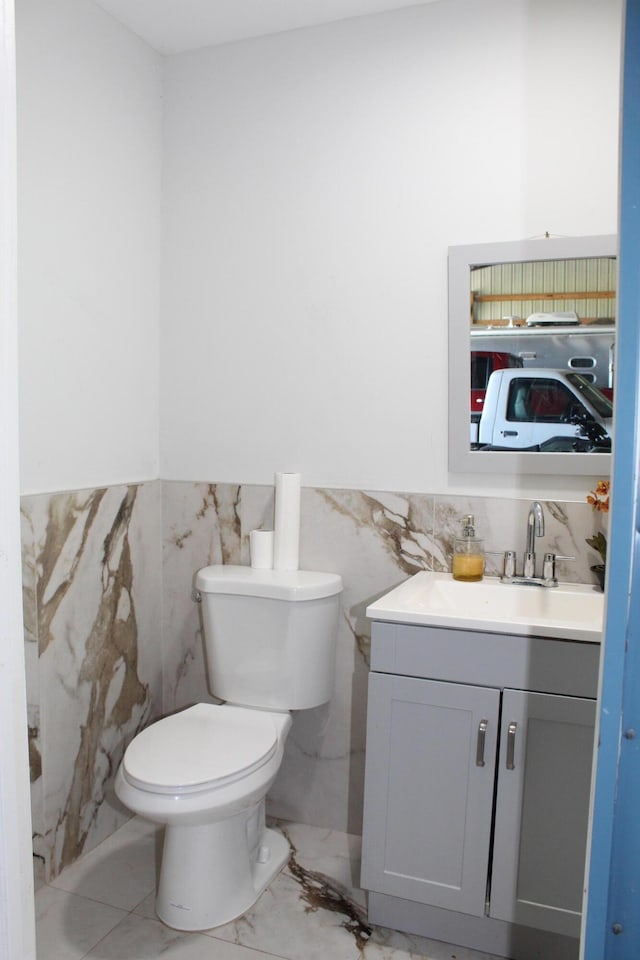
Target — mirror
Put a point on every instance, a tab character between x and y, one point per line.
531	356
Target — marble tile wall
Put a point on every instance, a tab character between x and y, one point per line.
113	635
92	599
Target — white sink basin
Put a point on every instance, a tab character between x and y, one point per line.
570	611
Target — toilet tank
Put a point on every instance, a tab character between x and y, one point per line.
270	635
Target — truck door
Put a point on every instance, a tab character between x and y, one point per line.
539	409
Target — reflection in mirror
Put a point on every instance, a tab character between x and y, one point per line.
532	342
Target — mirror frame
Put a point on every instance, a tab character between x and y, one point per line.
461	258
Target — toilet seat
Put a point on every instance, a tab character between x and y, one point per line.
201	747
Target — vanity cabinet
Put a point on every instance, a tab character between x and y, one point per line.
429	790
542	810
478	767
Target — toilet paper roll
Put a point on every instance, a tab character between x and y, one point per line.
286	543
261	547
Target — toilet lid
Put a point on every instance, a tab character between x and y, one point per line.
202	745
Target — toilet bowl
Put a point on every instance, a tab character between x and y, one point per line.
204	772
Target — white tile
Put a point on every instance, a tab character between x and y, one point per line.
312	911
121	871
331	854
286	923
315	909
147	906
138	938
67	926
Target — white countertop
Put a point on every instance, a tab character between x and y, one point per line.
570	611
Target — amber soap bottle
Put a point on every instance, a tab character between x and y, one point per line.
468	553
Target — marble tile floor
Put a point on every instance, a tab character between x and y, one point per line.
103	907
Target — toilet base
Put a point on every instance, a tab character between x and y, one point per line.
213	873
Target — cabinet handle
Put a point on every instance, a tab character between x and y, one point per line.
511	745
482	730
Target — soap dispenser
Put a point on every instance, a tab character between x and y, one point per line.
468	553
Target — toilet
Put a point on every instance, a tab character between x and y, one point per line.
204	772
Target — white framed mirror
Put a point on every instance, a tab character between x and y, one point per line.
531	356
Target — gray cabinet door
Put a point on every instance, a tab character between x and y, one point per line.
431	753
542	810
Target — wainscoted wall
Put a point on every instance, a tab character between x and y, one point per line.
114	637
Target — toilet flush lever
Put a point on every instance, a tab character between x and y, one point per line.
196	596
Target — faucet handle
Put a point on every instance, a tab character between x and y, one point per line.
549	565
508	561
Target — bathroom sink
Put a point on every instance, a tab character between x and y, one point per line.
570	611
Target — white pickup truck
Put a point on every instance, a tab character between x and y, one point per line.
540	409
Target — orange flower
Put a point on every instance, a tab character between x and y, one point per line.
599	498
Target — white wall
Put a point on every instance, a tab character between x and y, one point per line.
89	154
17	933
313	182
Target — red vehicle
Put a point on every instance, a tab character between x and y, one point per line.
483	363
587	349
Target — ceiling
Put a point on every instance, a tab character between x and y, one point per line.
174	26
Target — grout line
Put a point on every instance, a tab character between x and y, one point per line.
78	896
102	903
103	938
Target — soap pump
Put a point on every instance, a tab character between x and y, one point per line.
468	553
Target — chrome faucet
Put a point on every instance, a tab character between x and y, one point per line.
535	528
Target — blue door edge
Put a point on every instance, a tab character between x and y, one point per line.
612	923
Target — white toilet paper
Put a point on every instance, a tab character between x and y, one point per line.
261	546
286	543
